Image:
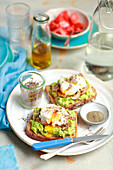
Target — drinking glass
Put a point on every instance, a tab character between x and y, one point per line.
99	50
19	25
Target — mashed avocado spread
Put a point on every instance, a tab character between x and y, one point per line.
65	101
37	127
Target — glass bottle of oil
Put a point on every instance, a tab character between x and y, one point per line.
41	42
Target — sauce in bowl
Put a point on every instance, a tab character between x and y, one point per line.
95	116
94	113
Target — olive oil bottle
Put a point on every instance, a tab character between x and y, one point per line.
41	42
41	56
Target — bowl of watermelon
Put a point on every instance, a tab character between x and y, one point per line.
65	21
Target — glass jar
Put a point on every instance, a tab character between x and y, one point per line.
31	88
99	50
41	42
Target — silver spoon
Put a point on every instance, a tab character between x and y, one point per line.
67	41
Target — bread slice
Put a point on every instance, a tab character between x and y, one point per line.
39	137
76	103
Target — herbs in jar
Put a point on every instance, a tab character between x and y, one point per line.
31	96
31	85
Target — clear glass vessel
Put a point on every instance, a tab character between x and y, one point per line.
31	88
99	50
19	26
41	42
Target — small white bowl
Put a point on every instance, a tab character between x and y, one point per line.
93	106
53	13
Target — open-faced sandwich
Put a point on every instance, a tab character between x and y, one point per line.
52	122
71	92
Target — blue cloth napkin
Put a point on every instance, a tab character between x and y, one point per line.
9	74
8	160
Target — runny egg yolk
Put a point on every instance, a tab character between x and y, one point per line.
54	117
49	130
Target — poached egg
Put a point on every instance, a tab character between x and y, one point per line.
69	85
53	114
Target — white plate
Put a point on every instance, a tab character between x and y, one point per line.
16	113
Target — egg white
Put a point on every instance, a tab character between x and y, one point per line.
46	114
70	88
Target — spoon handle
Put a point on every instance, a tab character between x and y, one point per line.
66	43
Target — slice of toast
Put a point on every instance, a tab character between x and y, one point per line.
76	103
39	137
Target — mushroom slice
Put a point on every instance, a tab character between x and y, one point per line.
76	95
66	126
84	90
